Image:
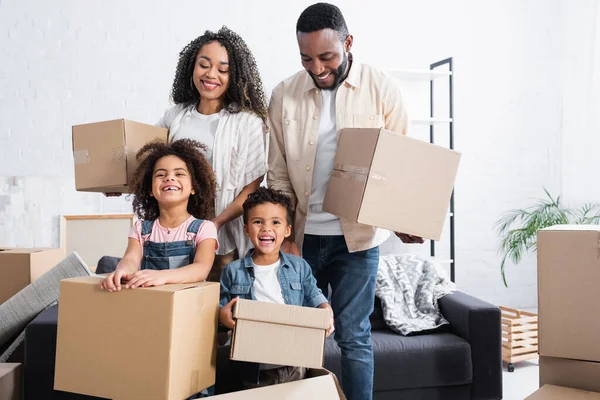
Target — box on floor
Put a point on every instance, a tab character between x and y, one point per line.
551	392
10	381
388	180
319	384
584	375
151	343
568	295
19	267
104	153
279	334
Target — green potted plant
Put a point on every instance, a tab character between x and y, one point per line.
518	228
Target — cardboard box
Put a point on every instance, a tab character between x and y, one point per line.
550	392
319	384
391	181
145	343
20	267
11	381
568	295
584	375
104	153
279	334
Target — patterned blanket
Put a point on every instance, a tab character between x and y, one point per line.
409	287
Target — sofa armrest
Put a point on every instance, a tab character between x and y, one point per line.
478	323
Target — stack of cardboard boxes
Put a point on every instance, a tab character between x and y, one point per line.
569	307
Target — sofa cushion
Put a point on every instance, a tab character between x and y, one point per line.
406	362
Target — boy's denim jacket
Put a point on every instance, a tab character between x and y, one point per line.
298	285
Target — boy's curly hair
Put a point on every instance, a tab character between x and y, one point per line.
201	174
267	195
245	87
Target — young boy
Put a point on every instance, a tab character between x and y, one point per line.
267	274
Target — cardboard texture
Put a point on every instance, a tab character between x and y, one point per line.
551	392
392	181
568	296
145	343
19	267
319	384
11	381
279	334
104	153
584	375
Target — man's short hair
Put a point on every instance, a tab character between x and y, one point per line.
322	16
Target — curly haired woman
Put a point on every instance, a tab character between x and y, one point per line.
220	102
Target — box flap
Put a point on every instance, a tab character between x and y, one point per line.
572	227
7	368
317	386
18	250
282	314
346	187
551	392
170	288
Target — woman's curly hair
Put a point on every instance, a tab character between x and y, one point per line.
245	92
202	176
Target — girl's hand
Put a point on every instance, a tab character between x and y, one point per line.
112	282
147	278
226	314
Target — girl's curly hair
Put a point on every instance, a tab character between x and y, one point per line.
245	92
200	204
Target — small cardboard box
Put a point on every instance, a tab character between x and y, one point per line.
551	392
384	179
146	343
584	375
104	153
568	295
279	334
11	381
319	384
19	267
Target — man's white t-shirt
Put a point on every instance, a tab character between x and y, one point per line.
319	222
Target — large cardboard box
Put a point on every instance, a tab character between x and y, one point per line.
568	295
319	384
392	181
279	334
19	267
145	343
550	392
11	381
104	153
584	375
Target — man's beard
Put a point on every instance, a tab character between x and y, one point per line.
338	75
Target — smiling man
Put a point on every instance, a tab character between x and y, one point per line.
306	112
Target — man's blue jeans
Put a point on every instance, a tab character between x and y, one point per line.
352	279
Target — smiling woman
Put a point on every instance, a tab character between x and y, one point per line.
220	102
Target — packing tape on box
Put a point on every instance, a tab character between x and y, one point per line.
81	156
118	153
351	176
351	168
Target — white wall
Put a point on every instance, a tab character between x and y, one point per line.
70	62
580	103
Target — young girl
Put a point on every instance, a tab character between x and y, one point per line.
174	189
